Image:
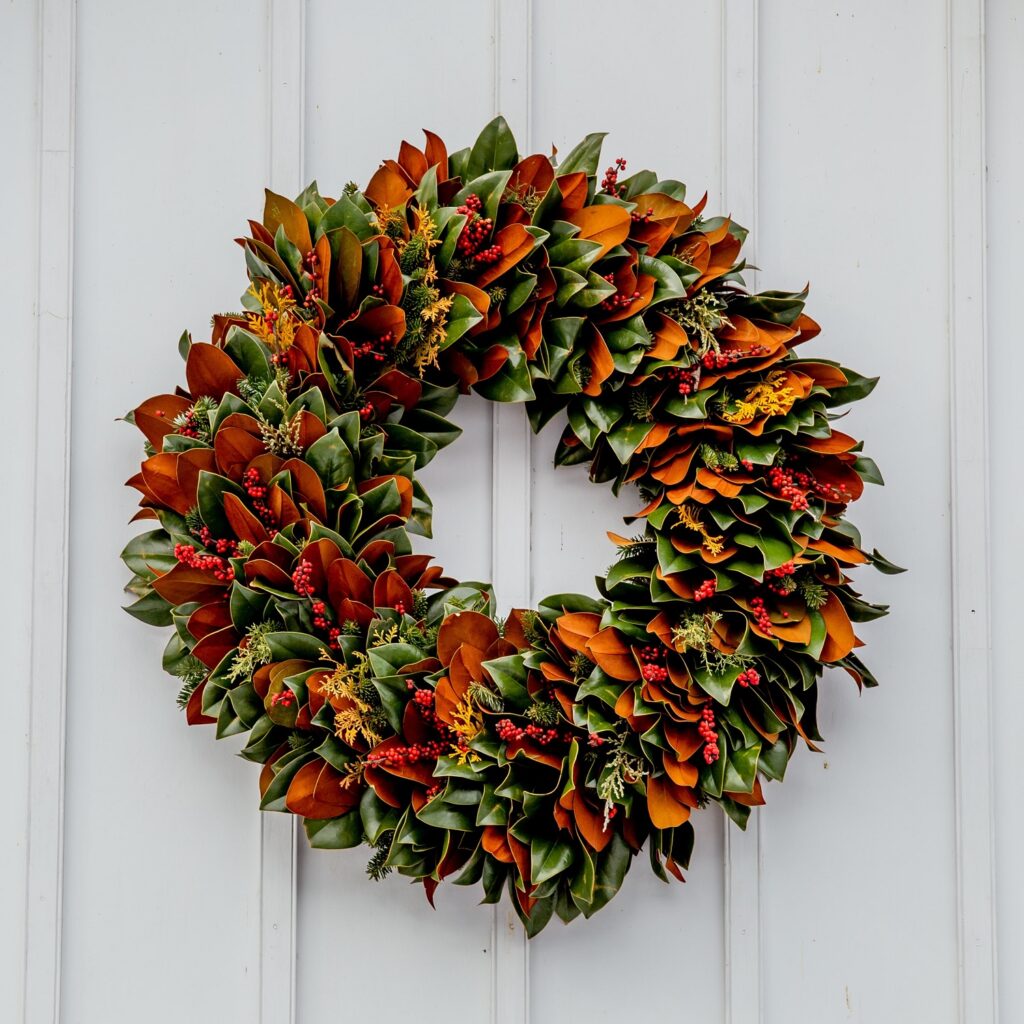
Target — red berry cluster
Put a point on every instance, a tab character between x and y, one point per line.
222	546
830	492
311	265
620	299
748	677
369	349
508	731
642	218
706	728
302	578
687	380
774	577
720	360
706	590
320	619
476	233
284	699
366	411
400	607
593	740
424	701
186	554
764	622
652	667
257	493
190	426
415	753
792	485
610	182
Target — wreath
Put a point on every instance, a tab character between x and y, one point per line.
386	702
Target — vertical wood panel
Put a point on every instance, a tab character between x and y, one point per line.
970	522
48	668
377	74
653	80
161	915
1004	76
873	865
743	995
286	48
512	499
859	889
19	284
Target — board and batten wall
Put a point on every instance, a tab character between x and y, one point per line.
873	147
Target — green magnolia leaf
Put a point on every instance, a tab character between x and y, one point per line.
494	149
462	317
210	494
332	460
294	645
335	833
585	156
548	858
150	554
152	609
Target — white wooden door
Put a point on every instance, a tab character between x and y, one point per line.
852	138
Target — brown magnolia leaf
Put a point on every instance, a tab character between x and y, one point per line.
391	591
574	188
388	187
608	225
280	211
190	464
459	628
244	524
602	366
317	792
837	443
516	243
840	639
235	449
282	507
495	842
346	580
212	648
608	650
160	475
194	712
155	416
208	618
412	161
755	798
590	822
576	629
436	154
210	371
682	773
664	804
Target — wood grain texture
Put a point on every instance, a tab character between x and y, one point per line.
740	143
969	490
853	139
48	668
286	48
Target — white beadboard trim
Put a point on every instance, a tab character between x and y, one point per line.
286	49
48	667
511	492
971	588
739	162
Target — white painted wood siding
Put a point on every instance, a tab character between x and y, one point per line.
874	146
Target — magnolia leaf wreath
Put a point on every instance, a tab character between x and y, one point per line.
386	702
